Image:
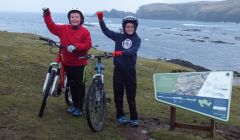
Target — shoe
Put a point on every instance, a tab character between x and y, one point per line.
71	109
134	123
77	113
122	120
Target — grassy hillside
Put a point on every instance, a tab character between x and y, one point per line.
23	64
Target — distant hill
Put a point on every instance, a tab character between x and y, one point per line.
117	14
226	11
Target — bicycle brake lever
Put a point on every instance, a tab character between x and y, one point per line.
51	42
107	55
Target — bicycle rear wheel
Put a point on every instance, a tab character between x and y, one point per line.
46	93
95	107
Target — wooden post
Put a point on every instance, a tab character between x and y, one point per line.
213	127
174	124
172	118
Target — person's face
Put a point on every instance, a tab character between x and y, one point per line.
129	28
75	19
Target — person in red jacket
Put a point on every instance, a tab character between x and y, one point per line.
76	41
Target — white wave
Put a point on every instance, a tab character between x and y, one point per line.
232	29
155	28
199	25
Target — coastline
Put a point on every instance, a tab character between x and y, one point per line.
188	64
197	68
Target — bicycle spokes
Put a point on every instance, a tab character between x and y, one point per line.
95	107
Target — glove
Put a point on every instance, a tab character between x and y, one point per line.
100	15
117	53
46	12
71	48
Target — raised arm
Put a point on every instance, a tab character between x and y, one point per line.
52	27
105	30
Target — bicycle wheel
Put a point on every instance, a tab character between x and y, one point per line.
95	107
46	93
68	96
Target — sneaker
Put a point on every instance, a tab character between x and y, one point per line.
77	113
134	123
71	109
122	120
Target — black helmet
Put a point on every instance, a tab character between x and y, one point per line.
130	19
76	11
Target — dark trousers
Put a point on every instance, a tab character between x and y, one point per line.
125	79
76	79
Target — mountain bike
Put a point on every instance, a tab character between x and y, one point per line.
56	80
95	101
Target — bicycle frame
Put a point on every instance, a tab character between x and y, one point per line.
98	65
95	98
57	66
55	80
99	68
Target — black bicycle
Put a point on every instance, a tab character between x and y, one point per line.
95	101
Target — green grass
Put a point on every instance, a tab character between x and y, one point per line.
23	64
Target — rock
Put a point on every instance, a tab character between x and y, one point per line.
237	38
144	131
188	64
196	40
205	37
192	30
221	42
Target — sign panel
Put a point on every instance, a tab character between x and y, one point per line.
207	93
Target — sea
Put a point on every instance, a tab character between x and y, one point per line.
213	45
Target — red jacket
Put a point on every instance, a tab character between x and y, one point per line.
80	38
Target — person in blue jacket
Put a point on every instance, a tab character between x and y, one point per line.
124	76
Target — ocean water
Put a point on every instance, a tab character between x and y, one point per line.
214	45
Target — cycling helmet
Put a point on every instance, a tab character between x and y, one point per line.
130	19
76	11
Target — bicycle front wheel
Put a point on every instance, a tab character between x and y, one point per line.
95	107
46	93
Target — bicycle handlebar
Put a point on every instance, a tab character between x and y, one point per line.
50	42
92	56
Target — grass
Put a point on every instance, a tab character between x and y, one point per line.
23	64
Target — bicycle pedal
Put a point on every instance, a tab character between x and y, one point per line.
55	95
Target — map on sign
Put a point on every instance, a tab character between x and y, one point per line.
207	93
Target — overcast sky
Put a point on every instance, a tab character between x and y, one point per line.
86	6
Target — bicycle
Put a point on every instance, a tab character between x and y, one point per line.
56	80
95	101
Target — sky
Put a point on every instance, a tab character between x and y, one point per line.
86	6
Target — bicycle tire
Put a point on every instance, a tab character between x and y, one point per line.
95	108
68	96
46	93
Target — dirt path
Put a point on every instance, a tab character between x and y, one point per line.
142	132
229	132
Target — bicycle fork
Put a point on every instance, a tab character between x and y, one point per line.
53	67
100	84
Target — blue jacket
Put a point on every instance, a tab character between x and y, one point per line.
129	45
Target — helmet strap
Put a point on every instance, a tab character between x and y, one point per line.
75	27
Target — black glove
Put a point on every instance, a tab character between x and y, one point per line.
46	11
